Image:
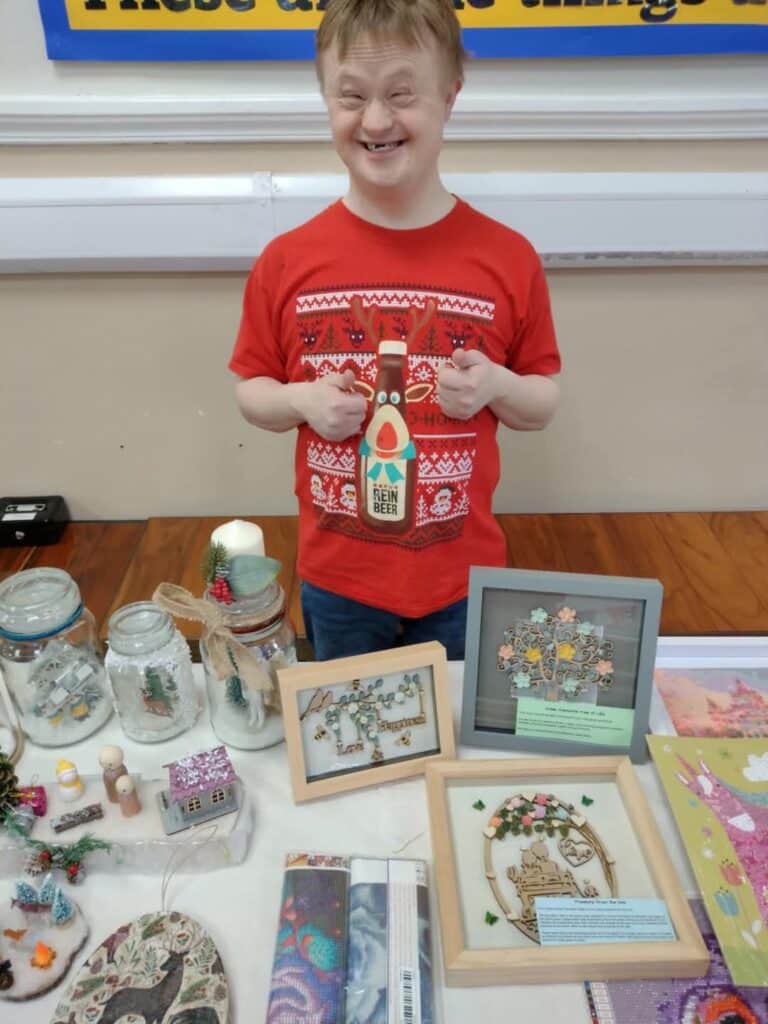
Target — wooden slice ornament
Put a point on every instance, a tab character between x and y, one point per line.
161	967
544	826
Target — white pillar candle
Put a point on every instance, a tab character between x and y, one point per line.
239	538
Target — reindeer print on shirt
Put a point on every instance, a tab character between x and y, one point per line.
406	479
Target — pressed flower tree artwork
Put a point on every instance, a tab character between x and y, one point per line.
555	656
718	791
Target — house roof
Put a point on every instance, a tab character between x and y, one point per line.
200	772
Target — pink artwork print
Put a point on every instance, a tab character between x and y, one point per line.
714	701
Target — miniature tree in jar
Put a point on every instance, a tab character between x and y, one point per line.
150	670
242	582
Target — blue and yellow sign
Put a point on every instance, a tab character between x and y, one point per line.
146	30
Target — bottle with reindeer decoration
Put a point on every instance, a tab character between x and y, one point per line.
150	670
387	461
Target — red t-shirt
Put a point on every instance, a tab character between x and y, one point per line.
395	517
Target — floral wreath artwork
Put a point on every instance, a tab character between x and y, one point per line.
555	656
362	704
544	817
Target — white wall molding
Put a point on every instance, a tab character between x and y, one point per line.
497	115
216	223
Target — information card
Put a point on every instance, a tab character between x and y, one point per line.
580	922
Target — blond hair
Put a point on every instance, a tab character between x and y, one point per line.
407	21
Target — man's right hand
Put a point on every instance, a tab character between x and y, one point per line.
330	406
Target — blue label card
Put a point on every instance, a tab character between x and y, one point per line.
584	922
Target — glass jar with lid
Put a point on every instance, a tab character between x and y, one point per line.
241	717
49	655
150	670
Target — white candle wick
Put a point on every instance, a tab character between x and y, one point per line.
239	538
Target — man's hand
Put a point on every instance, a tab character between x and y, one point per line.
331	407
467	385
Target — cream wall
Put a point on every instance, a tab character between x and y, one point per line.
115	391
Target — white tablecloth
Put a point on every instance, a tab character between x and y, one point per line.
239	905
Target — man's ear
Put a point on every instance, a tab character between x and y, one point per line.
453	92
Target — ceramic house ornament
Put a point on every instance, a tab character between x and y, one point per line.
161	967
202	787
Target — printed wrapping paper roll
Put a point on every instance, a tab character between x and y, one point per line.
309	969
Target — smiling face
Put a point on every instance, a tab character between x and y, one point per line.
388	105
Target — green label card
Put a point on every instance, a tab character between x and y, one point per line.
581	723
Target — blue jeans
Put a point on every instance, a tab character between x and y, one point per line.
338	626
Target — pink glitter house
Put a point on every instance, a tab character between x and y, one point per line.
202	787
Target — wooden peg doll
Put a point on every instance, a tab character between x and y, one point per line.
111	760
127	796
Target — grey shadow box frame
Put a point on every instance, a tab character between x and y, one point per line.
574	585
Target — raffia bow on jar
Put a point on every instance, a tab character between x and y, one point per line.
225	652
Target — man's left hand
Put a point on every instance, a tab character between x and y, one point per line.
467	384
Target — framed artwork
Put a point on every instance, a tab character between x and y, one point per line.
711	686
718	792
574	832
559	662
365	720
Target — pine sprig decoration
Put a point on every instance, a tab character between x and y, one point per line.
9	788
215	565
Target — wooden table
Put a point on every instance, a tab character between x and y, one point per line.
713	565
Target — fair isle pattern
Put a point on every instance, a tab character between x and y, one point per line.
446	467
451	303
422	368
336	362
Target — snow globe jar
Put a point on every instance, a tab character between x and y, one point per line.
48	653
150	669
242	582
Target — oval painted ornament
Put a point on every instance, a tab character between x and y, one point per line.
539	845
159	969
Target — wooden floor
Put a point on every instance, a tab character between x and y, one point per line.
713	565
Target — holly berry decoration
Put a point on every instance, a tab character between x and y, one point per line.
45	859
73	871
221	590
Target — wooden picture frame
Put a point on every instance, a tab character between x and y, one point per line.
340	726
452	787
595	698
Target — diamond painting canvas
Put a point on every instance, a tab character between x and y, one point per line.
718	792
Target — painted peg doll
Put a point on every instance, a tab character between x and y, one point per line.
127	796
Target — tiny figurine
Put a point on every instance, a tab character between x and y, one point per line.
111	760
202	787
127	796
79	817
69	781
43	956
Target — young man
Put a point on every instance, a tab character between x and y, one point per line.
394	330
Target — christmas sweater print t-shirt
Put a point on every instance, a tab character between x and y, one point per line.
395	516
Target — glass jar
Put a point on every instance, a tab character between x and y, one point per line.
150	669
48	652
240	717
